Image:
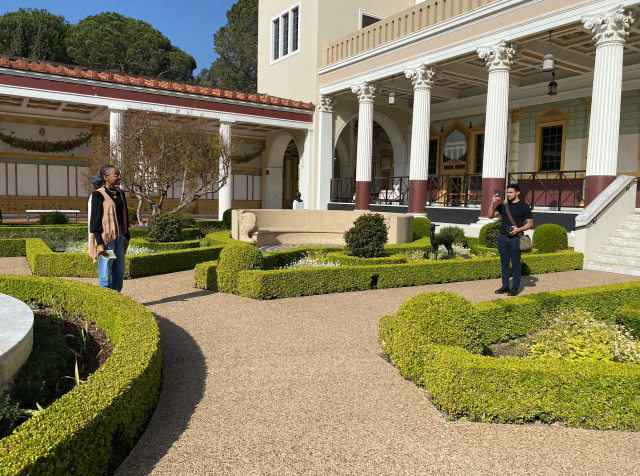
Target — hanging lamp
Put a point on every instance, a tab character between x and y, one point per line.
549	61
553	86
392	94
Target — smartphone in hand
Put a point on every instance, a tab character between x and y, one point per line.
497	193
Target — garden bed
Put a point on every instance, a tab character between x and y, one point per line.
437	340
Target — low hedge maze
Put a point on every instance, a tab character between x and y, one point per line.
436	340
74	435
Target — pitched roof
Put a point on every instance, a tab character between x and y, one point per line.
154	83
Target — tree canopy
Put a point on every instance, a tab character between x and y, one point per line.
36	34
113	42
237	45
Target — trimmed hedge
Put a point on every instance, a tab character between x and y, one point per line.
421	228
509	390
285	283
74	435
209	224
489	234
206	276
222	238
185	233
550	238
348	260
155	245
282	258
233	260
11	248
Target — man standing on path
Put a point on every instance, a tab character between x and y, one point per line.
509	239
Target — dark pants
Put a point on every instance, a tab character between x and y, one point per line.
509	248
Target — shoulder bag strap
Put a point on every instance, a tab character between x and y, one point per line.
506	207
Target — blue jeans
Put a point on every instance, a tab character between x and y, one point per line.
111	271
509	249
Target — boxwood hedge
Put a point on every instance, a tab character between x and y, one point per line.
464	383
74	435
77	230
155	245
206	276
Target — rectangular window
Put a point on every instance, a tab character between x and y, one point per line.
551	150
285	34
479	153
294	46
433	157
276	39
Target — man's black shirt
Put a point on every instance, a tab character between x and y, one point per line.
520	212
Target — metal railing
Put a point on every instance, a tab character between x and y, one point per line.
562	189
343	190
462	190
384	190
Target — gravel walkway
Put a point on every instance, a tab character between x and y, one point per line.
299	386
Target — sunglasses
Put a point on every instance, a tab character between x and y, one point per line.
116	176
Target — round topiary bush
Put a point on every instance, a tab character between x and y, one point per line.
133	214
456	232
489	234
164	228
53	218
234	259
367	237
185	219
226	218
550	238
421	228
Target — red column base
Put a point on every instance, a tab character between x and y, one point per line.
489	187
595	185
363	196
417	197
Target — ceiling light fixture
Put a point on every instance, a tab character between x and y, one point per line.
392	94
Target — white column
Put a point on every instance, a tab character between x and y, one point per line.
325	150
366	94
304	166
422	78
115	125
609	30
499	60
225	194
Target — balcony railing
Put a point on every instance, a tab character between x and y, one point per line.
551	189
384	190
463	190
401	24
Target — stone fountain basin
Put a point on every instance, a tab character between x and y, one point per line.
16	337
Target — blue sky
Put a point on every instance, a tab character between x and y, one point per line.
189	24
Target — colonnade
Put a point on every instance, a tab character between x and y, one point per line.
609	29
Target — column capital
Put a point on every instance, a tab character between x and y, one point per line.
423	76
365	91
609	26
499	57
326	103
516	113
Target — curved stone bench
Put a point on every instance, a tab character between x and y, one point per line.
16	337
306	227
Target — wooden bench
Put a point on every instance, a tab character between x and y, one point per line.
66	212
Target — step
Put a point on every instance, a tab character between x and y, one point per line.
634	217
625	242
630	225
606	259
612	269
633	234
620	251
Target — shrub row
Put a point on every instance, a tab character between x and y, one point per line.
221	238
435	338
276	284
206	276
81	230
282	258
11	248
75	434
347	260
209	224
155	245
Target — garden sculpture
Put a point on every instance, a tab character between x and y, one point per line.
436	241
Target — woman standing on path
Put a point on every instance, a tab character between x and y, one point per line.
109	228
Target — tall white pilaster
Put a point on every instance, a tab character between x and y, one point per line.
499	58
422	79
609	30
325	150
305	165
115	128
366	93
225	194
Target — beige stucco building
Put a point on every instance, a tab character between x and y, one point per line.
419	107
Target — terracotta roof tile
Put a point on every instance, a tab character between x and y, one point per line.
78	72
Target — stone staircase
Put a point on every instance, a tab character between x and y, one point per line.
621	254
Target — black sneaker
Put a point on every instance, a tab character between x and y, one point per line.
502	290
514	292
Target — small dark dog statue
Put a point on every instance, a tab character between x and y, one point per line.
436	241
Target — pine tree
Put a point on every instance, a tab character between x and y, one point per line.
39	47
17	46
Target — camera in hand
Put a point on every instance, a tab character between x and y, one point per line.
510	229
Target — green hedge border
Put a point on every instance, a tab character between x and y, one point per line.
186	233
44	262
74	434
591	395
155	245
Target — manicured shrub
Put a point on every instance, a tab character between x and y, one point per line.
367	237
226	218
421	228
233	260
53	218
630	318
206	276
155	245
75	434
509	390
209	224
550	238
456	232
489	234
133	214
221	238
164	228
185	219
10	415
11	248
164	262
346	260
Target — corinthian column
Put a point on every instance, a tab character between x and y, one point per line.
422	79
499	60
609	30
225	193
366	94
325	150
